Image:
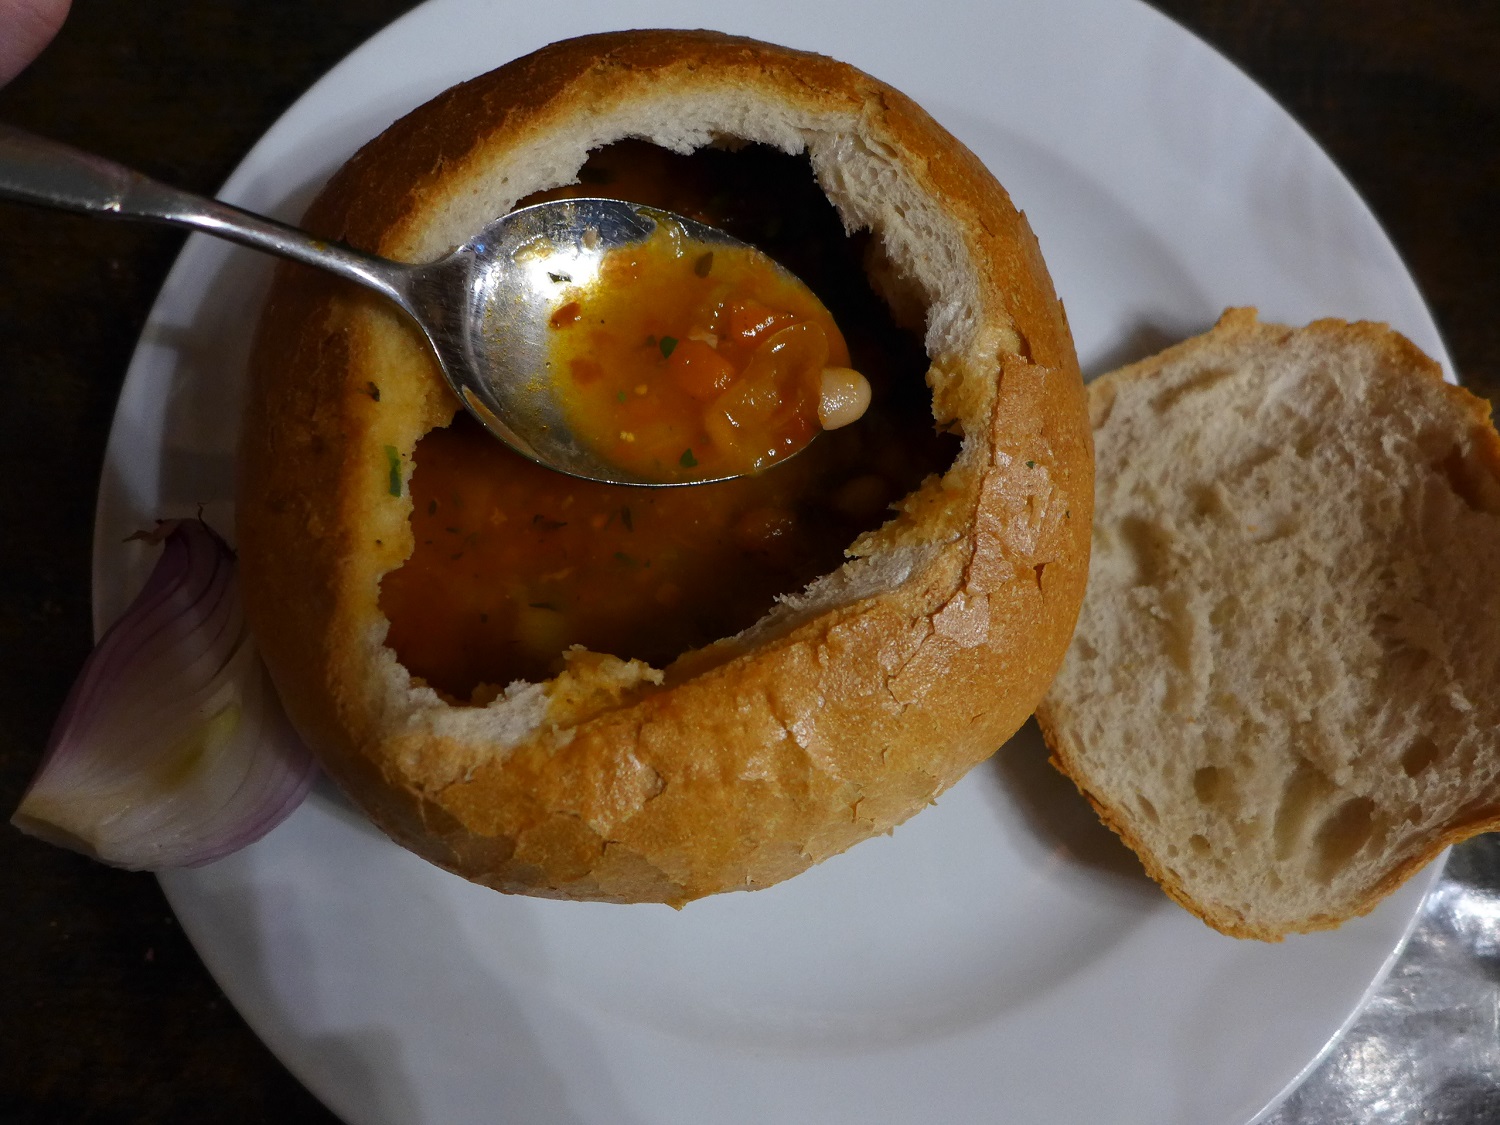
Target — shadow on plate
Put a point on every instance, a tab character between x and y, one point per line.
347	966
1139	342
1057	815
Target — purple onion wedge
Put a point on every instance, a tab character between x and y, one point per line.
172	749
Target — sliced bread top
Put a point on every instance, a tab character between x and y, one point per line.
1282	692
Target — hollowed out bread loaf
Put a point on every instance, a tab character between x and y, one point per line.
855	702
1282	690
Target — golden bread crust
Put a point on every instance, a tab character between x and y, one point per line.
851	710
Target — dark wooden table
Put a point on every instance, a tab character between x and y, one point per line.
106	1014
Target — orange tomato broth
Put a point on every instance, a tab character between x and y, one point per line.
513	563
685	361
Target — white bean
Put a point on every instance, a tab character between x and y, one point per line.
845	395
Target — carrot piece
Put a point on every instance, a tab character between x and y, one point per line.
700	370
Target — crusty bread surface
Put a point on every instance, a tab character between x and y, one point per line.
856	702
1281	692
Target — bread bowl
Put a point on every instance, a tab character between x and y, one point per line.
848	705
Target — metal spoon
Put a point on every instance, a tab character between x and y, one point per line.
484	308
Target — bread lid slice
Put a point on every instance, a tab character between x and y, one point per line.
1281	692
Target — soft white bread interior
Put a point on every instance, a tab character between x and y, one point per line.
1282	689
855	702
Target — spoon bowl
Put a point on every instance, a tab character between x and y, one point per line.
484	308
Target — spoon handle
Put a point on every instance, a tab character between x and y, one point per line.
48	174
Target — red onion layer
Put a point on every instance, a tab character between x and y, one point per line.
172	749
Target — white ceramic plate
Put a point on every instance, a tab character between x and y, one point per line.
999	957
